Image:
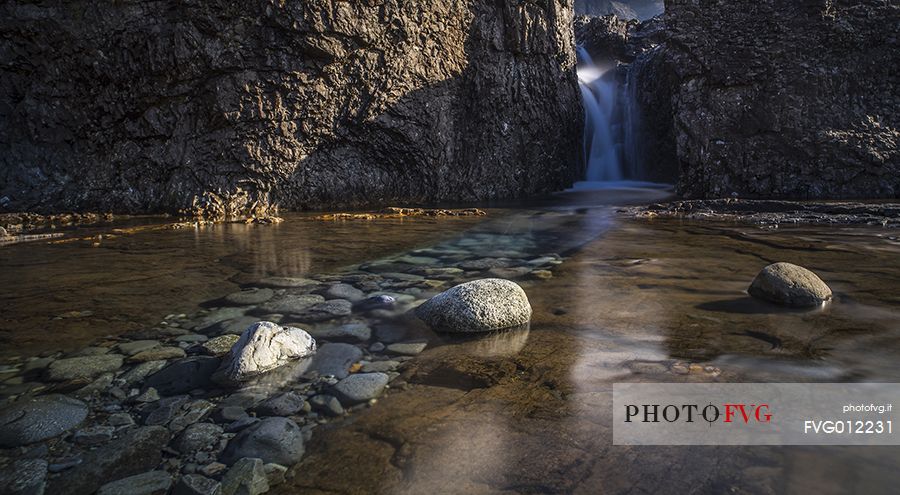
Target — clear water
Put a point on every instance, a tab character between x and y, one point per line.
528	411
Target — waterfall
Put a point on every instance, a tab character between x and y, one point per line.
599	95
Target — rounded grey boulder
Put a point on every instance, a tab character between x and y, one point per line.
39	418
477	306
789	285
274	439
360	387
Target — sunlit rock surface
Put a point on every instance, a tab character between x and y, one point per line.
224	107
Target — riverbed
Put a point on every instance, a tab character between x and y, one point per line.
615	299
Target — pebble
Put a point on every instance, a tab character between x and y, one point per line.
542	274
407	348
136	346
248	297
377	347
219	346
184	375
246	477
241	424
380	366
291	303
199	436
212	469
327	404
359	388
228	414
82	368
195	484
39	418
286	282
381	301
149	483
120	419
342	291
334	359
62	464
275	473
191	338
94	435
325	311
190	414
348	332
24	477
164	411
274	439
285	404
157	354
140	372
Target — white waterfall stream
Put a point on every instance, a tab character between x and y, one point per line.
599	97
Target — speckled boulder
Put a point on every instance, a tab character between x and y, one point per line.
34	419
789	285
263	347
477	306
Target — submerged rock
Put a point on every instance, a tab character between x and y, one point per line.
246	477
789	285
335	359
263	347
477	306
83	368
274	439
249	296
360	387
149	483
24	477
184	375
195	484
133	453
39	418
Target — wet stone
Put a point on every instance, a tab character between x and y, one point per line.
327	404
389	333
229	414
249	297
407	348
285	282
246	477
219	346
485	264
164	410
380	366
157	354
285	404
24	477
212	469
39	418
334	359
94	435
241	424
291	304
196	484
377	347
82	368
149	483
184	375
190	414
89	351
263	347
233	327
275	473
274	439
199	436
360	387
137	374
120	419
134	347
218	316
342	291
191	338
381	301
349	332
325	311
134	452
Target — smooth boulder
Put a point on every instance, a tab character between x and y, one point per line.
263	347
477	306
274	439
34	419
789	285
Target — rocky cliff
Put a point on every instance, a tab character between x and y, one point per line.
137	105
775	98
623	9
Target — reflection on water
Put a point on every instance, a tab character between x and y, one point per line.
527	410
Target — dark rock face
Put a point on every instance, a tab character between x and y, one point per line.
776	99
230	106
625	9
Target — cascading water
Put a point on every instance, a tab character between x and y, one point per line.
598	95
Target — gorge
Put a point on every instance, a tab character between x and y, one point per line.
381	246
